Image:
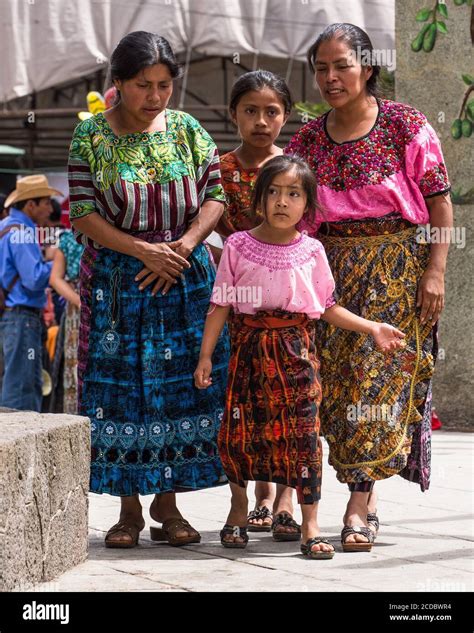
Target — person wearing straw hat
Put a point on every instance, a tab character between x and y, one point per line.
24	277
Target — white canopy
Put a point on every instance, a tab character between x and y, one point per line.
47	42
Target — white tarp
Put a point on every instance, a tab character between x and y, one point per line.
47	42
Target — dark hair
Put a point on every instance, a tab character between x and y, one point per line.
358	41
56	212
257	80
280	165
21	204
137	51
3	209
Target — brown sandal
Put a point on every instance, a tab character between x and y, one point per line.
168	532
357	546
121	527
285	519
264	514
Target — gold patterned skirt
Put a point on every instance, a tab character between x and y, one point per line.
376	408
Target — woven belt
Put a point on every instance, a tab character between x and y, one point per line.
272	323
369	240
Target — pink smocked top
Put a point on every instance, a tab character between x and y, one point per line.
392	169
254	275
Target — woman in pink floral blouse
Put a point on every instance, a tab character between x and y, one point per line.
380	174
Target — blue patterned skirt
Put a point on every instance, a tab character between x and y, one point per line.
152	430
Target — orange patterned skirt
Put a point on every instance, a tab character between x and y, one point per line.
270	430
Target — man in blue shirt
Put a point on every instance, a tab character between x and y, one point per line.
25	275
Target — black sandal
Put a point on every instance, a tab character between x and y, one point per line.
285	518
262	513
316	540
357	547
234	530
372	519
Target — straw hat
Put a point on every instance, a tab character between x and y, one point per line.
29	187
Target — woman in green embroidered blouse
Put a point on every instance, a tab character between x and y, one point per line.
145	191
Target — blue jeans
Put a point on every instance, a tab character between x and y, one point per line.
21	341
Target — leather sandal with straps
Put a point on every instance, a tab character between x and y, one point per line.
236	532
262	513
316	540
374	524
285	519
132	530
169	529
355	546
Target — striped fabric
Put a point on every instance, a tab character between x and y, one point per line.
146	181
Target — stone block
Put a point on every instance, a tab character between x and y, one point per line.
44	483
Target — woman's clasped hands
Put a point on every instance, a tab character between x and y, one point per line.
164	263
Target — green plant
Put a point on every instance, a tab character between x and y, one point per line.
426	38
434	19
387	83
469	3
462	198
310	110
463	125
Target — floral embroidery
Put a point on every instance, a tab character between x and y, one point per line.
369	160
275	256
80	209
153	181
238	186
430	183
147	158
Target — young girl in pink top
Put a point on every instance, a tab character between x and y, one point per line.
278	282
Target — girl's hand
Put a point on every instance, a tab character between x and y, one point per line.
431	296
387	337
202	375
77	300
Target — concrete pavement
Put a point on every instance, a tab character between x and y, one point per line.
425	542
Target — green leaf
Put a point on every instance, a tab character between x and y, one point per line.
468	79
443	9
423	15
441	26
470	110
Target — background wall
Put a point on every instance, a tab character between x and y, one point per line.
432	81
